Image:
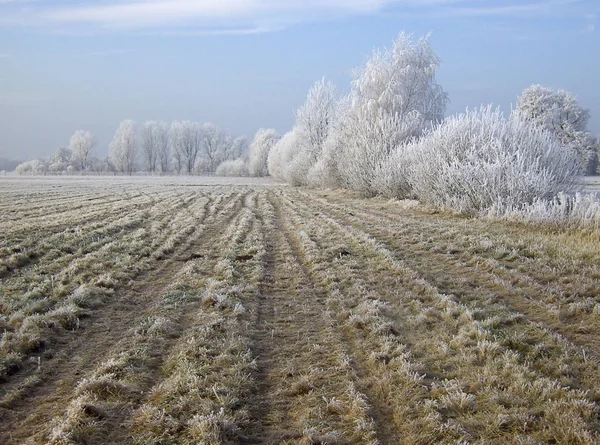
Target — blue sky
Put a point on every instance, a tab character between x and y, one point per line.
245	64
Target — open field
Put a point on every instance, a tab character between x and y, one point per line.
164	311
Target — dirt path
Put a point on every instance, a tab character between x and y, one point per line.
306	390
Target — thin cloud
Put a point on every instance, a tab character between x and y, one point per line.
5	55
551	6
239	17
208	16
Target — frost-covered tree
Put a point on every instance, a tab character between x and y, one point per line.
401	80
186	140
163	148
60	161
560	113
394	98
259	151
217	146
325	172
81	145
150	143
238	148
314	121
122	149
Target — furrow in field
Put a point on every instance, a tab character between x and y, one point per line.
74	240
551	277
480	385
33	331
200	395
538	336
134	312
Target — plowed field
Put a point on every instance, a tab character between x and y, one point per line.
188	312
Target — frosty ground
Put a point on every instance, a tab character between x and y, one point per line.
193	310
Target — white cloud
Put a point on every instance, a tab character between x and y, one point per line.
244	16
207	13
517	9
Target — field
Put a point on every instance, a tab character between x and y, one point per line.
193	311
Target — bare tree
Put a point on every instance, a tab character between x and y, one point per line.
123	147
215	142
81	146
186	139
163	149
150	145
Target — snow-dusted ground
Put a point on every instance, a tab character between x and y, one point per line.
30	182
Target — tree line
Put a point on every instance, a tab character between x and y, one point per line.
388	137
181	147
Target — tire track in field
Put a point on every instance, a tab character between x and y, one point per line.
303	390
384	372
102	330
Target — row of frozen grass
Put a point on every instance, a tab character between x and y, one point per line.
561	272
51	296
480	385
204	370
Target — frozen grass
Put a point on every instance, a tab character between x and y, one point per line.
294	316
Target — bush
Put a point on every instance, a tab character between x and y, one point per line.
479	160
580	210
370	137
281	156
237	167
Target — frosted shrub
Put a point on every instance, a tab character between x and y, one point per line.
480	159
370	136
390	177
237	167
580	209
314	121
281	156
259	151
325	172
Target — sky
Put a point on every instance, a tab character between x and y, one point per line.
67	65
